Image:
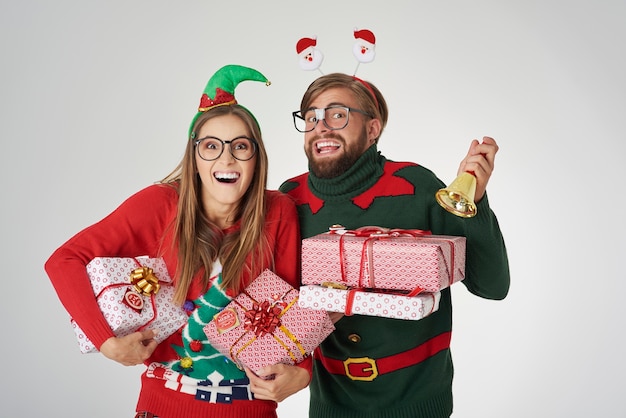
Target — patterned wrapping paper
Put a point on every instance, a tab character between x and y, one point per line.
419	263
358	302
111	281
264	325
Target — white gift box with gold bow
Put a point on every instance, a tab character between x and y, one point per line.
133	294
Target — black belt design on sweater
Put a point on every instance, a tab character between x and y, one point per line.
367	369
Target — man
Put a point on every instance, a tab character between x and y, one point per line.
371	366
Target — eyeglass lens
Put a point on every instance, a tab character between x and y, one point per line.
241	148
333	117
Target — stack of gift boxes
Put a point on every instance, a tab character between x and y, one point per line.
369	271
263	325
379	272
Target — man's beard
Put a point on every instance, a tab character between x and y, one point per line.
331	168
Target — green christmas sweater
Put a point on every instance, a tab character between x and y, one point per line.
378	352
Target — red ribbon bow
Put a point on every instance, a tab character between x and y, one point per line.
262	319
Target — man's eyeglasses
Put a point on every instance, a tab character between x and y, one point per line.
211	148
334	118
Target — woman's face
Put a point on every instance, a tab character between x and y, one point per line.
226	179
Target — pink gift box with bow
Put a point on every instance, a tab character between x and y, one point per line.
378	258
264	325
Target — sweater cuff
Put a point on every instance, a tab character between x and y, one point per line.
483	210
307	364
99	333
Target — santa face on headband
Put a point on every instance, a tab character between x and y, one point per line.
309	57
364	46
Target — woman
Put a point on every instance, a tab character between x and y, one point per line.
216	227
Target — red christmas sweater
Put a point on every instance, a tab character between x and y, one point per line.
143	225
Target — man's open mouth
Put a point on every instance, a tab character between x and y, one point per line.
323	147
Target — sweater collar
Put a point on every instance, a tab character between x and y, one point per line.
360	177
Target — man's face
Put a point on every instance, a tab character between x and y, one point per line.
332	152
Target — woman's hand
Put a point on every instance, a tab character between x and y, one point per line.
132	349
277	382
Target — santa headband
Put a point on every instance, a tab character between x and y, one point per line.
220	89
364	50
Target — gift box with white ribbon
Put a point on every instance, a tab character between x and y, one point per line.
358	302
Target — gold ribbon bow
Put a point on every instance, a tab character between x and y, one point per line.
144	281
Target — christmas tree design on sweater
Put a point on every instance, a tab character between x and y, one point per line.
198	358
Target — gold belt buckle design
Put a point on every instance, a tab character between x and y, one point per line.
361	368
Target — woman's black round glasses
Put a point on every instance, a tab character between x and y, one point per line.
334	118
211	148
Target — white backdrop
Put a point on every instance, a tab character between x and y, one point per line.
96	98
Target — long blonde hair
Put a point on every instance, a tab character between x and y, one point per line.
200	242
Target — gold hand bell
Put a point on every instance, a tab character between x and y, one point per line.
458	197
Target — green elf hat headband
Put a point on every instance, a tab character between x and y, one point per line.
220	90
